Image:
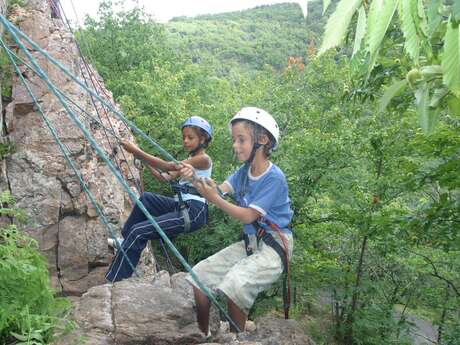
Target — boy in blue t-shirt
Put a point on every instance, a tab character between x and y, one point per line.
244	269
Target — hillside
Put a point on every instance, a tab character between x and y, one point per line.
247	40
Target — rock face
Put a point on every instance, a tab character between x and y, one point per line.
2	139
2	12
61	217
160	311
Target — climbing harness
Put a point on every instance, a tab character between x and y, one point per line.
265	120
15	32
282	251
180	189
267	238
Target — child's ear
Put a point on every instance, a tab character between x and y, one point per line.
263	139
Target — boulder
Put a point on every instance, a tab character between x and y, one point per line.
160	310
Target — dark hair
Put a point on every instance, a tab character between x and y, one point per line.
256	131
202	134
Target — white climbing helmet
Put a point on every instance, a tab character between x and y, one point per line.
261	117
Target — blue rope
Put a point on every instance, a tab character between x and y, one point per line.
111	131
65	150
13	30
80	108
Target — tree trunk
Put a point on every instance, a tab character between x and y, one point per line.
354	301
443	315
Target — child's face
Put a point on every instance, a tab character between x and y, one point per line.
190	139
242	141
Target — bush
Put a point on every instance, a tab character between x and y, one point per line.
29	311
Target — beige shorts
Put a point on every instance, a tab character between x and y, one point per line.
238	276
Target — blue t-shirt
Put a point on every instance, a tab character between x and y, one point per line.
267	194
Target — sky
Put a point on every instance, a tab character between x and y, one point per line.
164	10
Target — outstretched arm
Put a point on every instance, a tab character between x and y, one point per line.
153	161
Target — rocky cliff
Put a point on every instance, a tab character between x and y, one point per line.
61	217
2	12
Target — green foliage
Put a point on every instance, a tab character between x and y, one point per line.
392	91
11	3
29	312
6	75
375	199
426	26
6	150
248	40
338	23
451	58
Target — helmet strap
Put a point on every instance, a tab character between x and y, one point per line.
255	147
196	149
247	166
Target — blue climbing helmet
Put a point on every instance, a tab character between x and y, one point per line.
199	122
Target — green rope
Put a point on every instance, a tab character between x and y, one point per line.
13	30
79	107
65	150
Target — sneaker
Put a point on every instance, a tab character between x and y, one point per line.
112	243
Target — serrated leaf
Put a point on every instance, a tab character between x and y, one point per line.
380	15
427	117
451	58
360	29
431	70
456	10
337	24
438	95
392	91
423	23
434	18
326	4
408	15
20	336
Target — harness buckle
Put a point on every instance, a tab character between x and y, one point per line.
184	212
247	247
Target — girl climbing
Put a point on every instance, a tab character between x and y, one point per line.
186	212
244	269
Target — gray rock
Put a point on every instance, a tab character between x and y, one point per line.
61	216
160	310
275	331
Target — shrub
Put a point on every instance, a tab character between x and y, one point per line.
29	311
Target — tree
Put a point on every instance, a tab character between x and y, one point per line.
431	41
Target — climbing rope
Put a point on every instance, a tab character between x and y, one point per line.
65	150
92	77
108	105
12	29
85	113
14	32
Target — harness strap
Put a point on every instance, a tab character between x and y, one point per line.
248	249
183	188
186	215
179	189
183	209
283	253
